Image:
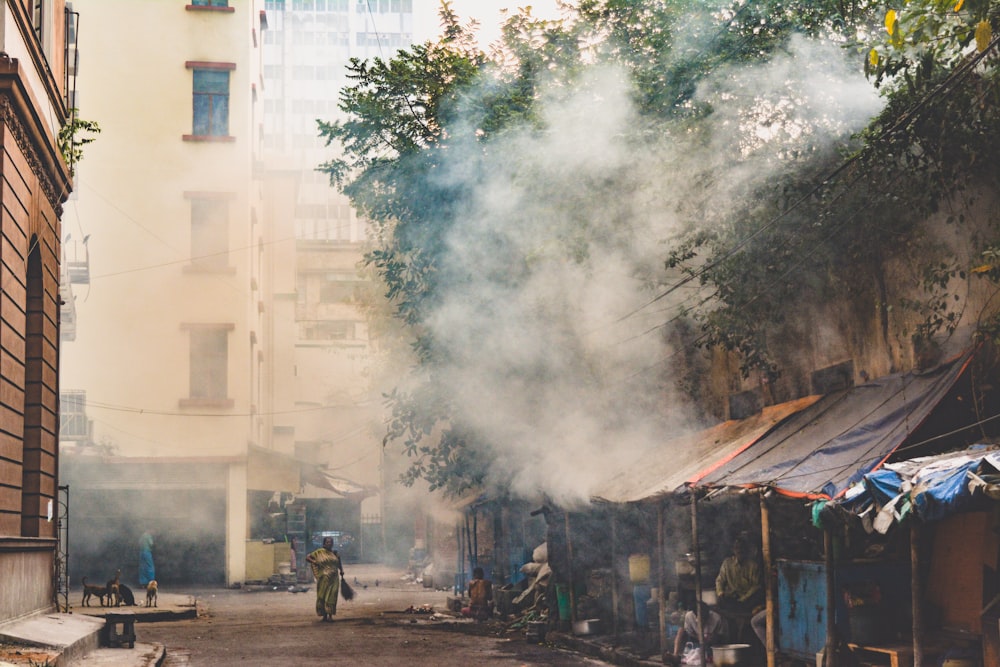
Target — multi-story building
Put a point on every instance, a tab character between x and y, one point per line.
169	423
34	183
334	410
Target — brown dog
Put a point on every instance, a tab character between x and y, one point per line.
114	594
90	590
151	588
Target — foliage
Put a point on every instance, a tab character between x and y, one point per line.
804	236
73	136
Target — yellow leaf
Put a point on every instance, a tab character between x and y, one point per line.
984	33
982	269
959	5
873	58
890	21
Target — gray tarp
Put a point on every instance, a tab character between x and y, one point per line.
830	445
684	460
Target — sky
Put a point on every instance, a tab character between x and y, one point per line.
487	12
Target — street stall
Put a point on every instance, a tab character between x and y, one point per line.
949	503
817	454
660	482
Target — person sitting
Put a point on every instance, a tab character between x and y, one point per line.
480	595
714	629
738	588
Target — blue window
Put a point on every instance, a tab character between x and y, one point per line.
210	3
211	103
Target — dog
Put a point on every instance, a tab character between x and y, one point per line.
151	589
128	597
90	590
114	590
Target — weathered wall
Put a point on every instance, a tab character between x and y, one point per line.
872	327
26	573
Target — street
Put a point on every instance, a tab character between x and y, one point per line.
258	627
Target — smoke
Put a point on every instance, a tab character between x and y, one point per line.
552	357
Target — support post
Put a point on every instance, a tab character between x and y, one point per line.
916	591
614	571
831	599
569	572
697	573
661	598
770	644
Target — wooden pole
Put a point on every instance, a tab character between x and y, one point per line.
661	598
697	573
569	571
831	599
916	591
770	643
614	571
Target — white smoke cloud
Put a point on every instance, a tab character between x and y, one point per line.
548	260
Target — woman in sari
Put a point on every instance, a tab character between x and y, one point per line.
327	569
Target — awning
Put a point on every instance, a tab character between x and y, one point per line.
686	460
929	487
826	448
325	484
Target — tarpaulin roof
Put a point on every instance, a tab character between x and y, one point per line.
822	450
930	487
686	459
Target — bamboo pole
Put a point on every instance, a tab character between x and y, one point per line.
661	598
569	572
614	572
697	574
916	592
769	599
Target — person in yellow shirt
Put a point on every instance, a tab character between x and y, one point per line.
738	588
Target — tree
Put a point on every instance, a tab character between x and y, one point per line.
805	186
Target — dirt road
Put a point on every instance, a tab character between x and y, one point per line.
278	627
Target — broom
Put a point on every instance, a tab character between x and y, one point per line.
345	589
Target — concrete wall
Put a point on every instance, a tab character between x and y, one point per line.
26	572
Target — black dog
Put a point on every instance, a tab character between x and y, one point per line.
127	596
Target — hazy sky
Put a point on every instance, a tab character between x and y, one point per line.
487	12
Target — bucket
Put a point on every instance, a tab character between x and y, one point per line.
285	567
562	597
638	568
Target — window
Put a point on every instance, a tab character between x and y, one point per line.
209	362
210	3
209	233
211	103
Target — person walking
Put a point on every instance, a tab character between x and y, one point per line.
328	570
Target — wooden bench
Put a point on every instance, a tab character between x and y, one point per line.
899	655
127	634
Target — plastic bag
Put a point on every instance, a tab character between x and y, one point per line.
691	656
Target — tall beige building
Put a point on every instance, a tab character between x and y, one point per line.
169	417
334	411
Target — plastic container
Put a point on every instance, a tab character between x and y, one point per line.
638	568
640	595
562	598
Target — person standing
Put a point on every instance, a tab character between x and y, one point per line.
328	570
147	570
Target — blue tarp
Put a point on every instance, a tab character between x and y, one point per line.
933	487
824	449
